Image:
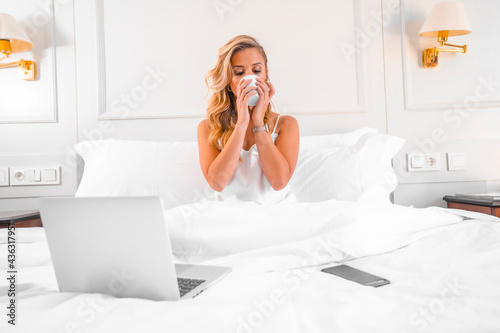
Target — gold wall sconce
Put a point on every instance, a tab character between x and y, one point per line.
446	19
13	40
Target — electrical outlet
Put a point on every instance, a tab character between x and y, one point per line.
17	176
423	162
35	175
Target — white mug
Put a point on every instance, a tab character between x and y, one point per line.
252	101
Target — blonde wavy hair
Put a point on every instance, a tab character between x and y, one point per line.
221	111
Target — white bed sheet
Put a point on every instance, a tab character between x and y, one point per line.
443	279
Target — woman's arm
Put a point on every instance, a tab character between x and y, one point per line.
278	161
218	166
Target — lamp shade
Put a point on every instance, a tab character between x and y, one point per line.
11	30
446	19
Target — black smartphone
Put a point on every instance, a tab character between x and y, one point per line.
356	275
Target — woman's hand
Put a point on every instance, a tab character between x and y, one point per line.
243	94
266	92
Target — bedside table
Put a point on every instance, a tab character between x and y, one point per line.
475	205
25	219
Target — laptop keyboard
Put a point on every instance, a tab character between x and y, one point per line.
186	285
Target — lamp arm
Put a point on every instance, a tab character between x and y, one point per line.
10	64
26	64
459	48
453	45
27	68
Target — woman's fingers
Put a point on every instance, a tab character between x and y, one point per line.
266	89
272	91
242	85
263	90
242	102
248	95
244	95
248	89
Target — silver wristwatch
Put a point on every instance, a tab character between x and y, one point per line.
260	128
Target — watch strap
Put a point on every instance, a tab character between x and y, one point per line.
260	128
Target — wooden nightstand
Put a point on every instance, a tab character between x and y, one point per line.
475	205
26	219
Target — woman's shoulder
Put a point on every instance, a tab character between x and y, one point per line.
203	126
282	117
284	121
286	118
203	130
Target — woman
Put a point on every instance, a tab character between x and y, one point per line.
239	157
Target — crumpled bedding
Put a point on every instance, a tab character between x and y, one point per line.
443	266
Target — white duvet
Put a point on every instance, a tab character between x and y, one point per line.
444	268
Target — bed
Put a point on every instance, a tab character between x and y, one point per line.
443	264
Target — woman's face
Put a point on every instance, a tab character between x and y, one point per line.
246	62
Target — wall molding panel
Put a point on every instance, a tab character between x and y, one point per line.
409	102
360	107
104	112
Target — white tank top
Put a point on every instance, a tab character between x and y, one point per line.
249	183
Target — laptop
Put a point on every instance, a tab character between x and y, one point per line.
119	246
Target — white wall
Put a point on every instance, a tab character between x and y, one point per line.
445	109
135	70
38	119
313	78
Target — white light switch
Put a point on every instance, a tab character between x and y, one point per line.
418	161
49	175
38	176
4	176
457	161
30	175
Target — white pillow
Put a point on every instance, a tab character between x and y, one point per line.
335	140
377	176
313	151
327	173
357	170
352	166
170	170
